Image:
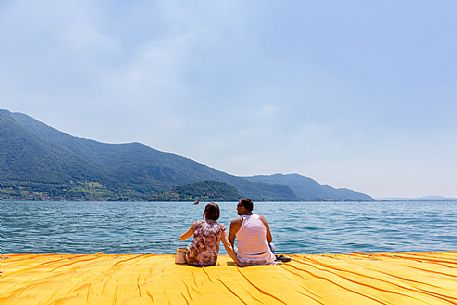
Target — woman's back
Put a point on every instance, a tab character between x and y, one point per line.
205	243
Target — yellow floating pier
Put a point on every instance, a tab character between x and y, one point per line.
358	278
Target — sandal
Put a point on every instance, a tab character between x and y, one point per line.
283	258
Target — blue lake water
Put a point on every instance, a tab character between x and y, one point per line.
297	227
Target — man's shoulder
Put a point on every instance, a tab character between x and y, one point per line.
263	219
236	221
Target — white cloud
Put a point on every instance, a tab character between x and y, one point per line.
268	110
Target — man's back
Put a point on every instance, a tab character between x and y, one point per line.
251	236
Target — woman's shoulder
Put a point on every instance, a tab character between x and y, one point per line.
197	223
211	224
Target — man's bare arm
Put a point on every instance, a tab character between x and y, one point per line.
265	222
235	225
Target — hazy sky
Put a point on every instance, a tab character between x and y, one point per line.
357	94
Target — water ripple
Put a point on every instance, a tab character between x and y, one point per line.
297	227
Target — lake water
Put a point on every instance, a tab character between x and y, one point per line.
297	227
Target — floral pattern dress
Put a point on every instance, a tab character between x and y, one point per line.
205	243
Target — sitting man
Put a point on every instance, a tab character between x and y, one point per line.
253	235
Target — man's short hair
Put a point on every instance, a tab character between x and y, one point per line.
247	204
212	211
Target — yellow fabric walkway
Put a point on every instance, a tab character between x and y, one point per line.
358	278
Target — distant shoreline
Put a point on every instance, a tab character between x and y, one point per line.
215	200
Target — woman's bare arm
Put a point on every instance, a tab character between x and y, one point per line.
187	234
228	248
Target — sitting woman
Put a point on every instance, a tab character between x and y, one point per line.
207	234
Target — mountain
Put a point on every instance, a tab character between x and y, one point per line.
307	189
433	197
40	162
424	198
206	190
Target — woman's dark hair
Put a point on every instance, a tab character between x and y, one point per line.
212	211
247	204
